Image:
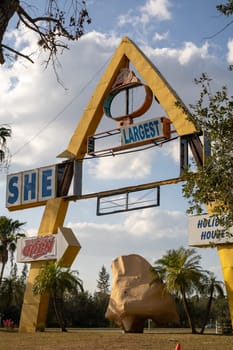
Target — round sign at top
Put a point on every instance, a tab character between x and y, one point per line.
127	80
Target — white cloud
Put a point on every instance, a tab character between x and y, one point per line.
101	41
183	55
191	51
122	167
230	51
173	150
92	228
158	9
32	232
160	37
153	9
41	113
156	223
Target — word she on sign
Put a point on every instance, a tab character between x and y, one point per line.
34	187
31	186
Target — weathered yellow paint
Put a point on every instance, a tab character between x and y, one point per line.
53	216
94	111
72	249
126	52
34	310
160	87
225	253
26	206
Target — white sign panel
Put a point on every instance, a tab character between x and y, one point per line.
205	230
30	186
37	248
147	130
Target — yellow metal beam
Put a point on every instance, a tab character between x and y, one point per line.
160	87
225	253
34	310
94	111
145	186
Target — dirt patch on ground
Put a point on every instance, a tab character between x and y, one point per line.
113	340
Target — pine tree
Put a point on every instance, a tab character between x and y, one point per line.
103	283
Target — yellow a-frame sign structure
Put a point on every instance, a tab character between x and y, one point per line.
34	309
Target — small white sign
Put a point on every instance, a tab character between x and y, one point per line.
205	230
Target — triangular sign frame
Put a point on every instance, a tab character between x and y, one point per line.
127	52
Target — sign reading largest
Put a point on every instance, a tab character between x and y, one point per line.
147	130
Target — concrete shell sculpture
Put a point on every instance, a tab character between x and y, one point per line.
134	299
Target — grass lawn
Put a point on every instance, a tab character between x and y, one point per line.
112	340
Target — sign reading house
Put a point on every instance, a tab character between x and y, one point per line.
205	230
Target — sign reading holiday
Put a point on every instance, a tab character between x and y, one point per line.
205	230
49	247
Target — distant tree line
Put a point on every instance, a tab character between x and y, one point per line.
199	297
87	310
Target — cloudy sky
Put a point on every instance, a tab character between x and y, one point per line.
179	37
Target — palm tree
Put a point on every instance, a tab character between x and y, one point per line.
9	234
11	296
56	280
5	132
212	288
180	271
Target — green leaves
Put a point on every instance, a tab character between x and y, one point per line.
211	184
226	9
10	232
55	279
183	276
180	270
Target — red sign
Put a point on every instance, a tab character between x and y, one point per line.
38	247
49	247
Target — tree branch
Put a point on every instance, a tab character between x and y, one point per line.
51	27
16	52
